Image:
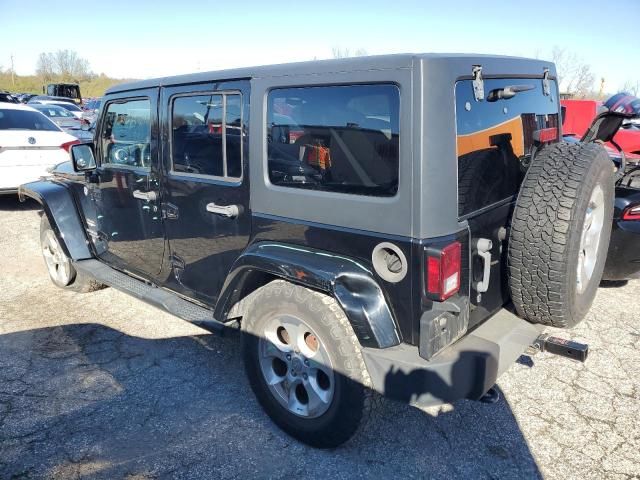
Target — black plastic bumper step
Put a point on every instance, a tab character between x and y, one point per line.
153	295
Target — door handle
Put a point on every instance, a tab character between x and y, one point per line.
482	247
148	196
226	211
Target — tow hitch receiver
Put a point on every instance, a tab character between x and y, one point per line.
559	346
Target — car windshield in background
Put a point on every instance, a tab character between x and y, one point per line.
69	106
25	120
53	111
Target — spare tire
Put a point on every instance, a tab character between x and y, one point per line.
560	233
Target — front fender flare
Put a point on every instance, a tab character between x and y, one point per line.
57	203
350	282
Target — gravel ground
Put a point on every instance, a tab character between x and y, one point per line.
104	386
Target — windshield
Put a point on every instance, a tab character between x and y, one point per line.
53	111
25	120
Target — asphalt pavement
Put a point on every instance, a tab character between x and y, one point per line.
103	386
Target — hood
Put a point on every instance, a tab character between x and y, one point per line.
614	111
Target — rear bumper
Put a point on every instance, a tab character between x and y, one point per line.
466	369
8	191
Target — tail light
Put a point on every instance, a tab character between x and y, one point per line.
443	271
632	212
67	145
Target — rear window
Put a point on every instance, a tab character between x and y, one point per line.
25	120
53	111
335	138
69	106
495	139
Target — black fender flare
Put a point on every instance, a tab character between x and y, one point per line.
60	208
350	282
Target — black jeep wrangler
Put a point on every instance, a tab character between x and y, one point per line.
400	224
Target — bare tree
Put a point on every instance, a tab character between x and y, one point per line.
338	52
631	87
574	75
64	65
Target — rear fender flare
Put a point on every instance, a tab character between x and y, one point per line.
60	208
350	282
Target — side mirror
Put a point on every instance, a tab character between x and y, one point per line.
82	157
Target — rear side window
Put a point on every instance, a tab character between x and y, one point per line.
206	135
25	120
335	138
126	133
496	136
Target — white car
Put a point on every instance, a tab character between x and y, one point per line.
29	144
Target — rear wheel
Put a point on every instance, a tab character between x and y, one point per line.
304	364
59	266
560	233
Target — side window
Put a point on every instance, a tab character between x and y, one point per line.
126	133
207	135
335	138
496	137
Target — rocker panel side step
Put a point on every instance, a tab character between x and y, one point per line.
153	295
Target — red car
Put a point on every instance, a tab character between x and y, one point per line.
612	123
577	116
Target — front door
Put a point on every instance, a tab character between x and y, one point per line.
206	189
129	227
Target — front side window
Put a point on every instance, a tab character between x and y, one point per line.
340	139
207	135
126	133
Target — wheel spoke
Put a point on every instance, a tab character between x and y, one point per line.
318	397
274	348
293	403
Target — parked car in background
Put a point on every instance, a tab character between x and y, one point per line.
6	97
30	143
91	109
67	90
66	120
64	103
25	97
577	116
588	119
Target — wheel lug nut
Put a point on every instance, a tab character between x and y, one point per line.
288	356
293	373
305	376
306	363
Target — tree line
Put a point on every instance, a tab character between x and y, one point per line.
64	66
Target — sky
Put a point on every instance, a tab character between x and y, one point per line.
143	39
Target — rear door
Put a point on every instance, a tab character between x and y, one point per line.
495	140
206	193
129	231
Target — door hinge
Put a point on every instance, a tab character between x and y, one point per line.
478	83
546	88
169	211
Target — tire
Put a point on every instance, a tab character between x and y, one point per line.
59	266
566	188
484	178
345	386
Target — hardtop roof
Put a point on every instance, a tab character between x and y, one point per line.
351	64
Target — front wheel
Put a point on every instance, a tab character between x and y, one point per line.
304	364
59	265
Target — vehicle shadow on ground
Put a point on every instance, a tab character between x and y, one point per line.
85	400
11	203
